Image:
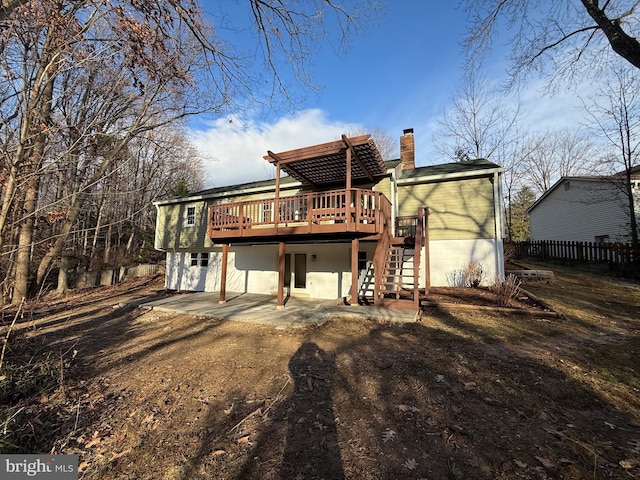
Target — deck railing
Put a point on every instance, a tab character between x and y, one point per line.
354	210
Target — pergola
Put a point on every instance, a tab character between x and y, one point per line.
344	162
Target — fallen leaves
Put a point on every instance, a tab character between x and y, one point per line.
388	435
410	464
408	408
629	464
546	463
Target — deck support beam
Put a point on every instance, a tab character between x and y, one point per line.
281	256
223	274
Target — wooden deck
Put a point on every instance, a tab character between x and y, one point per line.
353	211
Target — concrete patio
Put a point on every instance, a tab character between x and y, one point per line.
261	309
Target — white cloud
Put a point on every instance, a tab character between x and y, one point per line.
234	148
551	111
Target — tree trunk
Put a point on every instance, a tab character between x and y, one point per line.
107	244
23	259
39	108
92	255
63	275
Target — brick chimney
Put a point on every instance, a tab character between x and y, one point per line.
407	150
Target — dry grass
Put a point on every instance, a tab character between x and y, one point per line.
458	395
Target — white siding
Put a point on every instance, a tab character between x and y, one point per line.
581	212
449	257
254	269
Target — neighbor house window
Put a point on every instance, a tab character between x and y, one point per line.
201	259
190	217
602	239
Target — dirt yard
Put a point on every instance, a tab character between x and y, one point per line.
460	395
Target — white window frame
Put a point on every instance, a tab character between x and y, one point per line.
199	259
190	219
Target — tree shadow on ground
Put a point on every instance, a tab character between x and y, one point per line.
446	399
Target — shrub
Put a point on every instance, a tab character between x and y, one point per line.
473	274
505	290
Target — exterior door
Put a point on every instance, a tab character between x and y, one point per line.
295	271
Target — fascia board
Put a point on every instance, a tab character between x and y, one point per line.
450	176
227	193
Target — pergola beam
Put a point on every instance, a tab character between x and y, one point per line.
328	163
355	156
315	151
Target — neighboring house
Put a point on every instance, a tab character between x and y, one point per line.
586	209
341	213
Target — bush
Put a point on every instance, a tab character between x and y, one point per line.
505	290
473	274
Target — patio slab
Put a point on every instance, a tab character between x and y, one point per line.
262	309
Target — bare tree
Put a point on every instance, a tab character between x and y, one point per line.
8	6
478	124
556	37
616	117
559	153
387	144
86	79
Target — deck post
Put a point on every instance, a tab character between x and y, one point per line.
354	271
281	252
223	274
349	205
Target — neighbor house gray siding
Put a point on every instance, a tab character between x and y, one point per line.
583	210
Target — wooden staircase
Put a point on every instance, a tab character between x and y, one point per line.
399	281
396	265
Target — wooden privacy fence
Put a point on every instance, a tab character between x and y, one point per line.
84	279
613	253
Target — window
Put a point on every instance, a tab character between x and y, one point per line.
190	217
602	239
567	185
201	259
362	261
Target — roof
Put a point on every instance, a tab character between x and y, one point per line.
476	167
326	163
429	173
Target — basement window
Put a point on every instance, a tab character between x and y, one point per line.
200	259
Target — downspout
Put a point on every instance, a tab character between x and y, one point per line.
499	227
394	202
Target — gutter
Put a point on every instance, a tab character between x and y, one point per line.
450	176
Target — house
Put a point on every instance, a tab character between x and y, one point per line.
586	209
341	213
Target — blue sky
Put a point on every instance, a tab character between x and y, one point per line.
400	72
